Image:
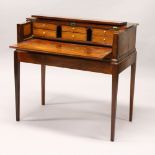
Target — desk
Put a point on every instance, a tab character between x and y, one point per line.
98	46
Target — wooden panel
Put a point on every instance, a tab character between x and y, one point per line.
74	29
68	49
127	61
44	33
74	36
44	25
103	32
64	61
126	41
27	29
104	40
117	23
24	31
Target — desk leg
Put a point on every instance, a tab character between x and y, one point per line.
115	77
43	69
17	85
132	85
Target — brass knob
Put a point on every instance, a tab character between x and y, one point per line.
73	28
104	31
73	36
104	39
72	23
44	32
115	27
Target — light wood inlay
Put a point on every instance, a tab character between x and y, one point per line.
68	49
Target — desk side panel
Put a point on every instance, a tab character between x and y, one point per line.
24	31
126	41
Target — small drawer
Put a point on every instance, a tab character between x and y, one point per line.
102	32
44	26
74	29
74	36
44	33
103	40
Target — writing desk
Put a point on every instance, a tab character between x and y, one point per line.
99	46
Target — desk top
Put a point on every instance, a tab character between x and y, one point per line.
62	48
95	21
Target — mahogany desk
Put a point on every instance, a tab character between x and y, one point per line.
99	46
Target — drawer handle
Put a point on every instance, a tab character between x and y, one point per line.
115	28
72	23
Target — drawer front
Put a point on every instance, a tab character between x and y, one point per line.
103	40
44	26
74	29
44	33
102	32
74	36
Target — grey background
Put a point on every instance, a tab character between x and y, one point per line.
77	116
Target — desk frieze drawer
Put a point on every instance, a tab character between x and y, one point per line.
44	33
74	36
73	29
44	26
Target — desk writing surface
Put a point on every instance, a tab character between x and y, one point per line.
61	48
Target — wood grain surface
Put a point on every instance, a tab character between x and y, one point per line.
74	36
44	33
68	49
74	29
43	25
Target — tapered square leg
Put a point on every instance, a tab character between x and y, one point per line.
132	86
43	70
17	85
114	104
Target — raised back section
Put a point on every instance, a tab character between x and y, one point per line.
75	30
119	36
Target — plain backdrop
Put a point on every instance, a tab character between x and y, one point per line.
76	118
